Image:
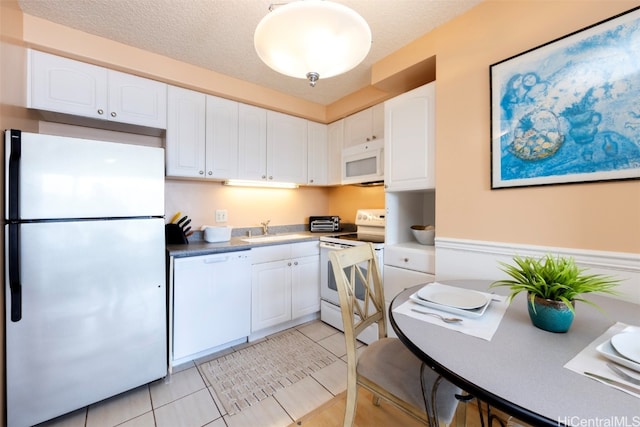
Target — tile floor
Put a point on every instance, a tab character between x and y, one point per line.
185	399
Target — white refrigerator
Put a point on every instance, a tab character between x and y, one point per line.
85	293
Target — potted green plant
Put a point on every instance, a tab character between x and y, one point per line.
553	285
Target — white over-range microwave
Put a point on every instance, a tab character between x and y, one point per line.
363	163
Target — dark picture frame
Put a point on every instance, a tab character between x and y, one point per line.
568	111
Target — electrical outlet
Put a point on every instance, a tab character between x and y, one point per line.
221	215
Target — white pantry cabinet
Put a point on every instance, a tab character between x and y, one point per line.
317	154
410	140
202	135
285	284
72	87
364	126
210	303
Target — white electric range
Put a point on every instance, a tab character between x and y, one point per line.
370	229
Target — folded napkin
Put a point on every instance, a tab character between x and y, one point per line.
483	327
590	360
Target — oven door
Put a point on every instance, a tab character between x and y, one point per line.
328	286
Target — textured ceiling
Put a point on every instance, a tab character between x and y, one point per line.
218	34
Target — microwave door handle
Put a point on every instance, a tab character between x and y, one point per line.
15	285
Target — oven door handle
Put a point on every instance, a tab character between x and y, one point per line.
333	246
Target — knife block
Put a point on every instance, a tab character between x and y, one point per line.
174	235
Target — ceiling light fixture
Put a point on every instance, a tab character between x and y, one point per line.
312	39
261	184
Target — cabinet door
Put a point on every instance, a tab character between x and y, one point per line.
377	121
185	141
410	140
335	136
66	86
317	154
136	100
305	286
221	138
286	148
252	142
270	294
357	128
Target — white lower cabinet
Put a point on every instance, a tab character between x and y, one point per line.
285	285
406	265
211	297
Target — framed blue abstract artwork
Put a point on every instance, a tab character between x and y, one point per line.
569	111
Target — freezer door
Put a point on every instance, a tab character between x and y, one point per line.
93	321
52	177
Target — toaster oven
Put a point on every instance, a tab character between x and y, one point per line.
323	224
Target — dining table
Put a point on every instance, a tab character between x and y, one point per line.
531	374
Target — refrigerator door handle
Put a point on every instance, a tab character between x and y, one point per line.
15	286
13	175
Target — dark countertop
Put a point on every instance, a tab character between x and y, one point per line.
201	247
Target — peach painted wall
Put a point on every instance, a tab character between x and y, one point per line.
346	200
596	216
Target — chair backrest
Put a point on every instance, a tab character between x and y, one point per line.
358	267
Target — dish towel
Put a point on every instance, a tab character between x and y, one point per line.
590	360
483	327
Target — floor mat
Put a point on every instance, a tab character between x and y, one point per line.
247	376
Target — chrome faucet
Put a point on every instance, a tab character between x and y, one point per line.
265	227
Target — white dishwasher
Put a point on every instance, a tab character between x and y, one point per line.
211	303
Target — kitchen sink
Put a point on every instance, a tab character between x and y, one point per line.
275	238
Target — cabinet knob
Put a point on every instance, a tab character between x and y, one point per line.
406	260
201	172
113	114
264	176
100	111
368	139
311	181
210	172
295	263
374	137
289	263
270	177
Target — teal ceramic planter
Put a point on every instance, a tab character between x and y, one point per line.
549	315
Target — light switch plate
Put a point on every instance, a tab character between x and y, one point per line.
221	215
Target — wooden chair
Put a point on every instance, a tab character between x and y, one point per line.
386	367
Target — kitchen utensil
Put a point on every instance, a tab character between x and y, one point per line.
613	382
186	230
175	217
183	219
185	224
444	319
622	374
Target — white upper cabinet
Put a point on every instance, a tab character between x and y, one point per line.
410	140
276	151
252	142
202	135
221	138
364	126
286	148
335	137
185	141
317	154
66	86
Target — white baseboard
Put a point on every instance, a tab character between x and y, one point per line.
475	259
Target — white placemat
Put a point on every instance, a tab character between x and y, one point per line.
482	327
589	360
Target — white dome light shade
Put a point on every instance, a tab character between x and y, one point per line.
312	38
